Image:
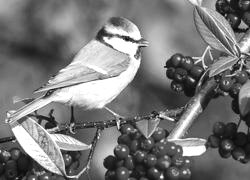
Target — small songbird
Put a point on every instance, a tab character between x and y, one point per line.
97	74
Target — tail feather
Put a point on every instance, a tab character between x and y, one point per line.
29	108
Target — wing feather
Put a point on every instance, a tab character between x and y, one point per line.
89	65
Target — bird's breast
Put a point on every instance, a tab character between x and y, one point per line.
97	94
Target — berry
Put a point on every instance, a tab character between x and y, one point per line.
230	130
180	75
150	160
45	176
244	5
134	145
225	84
234	20
119	163
129	163
10	173
189	92
179	150
196	72
224	154
238	154
177	161
187	63
147	144
121	173
234	90
171	149
163	162
233	4
176	59
153	173
127	129
67	159
109	162
218	129
190	82
23	163
227	145
15	153
246	18
240	139
241	77
159	149
185	173
121	151
11	164
110	175
213	141
140	156
187	162
135	135
222	7
4	156
32	177
177	87
124	139
159	134
172	173
170	73
140	171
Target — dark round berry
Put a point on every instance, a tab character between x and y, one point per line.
218	129
235	106
234	90
179	150
67	159
129	163
139	171
172	173
213	141
177	87
187	63
121	151
244	5
15	153
225	84
190	82
238	154
124	139
127	129
140	156
233	4
147	144
177	160
240	139
241	77
135	135
10	173
222	6
224	154
153	173
23	163
150	160
185	173
159	134
196	72
134	146
121	173
187	162
11	164
32	177
45	176
170	73
234	20
227	145
180	75
109	162
4	156
230	130
176	59
159	149
246	18
171	149
110	175
163	162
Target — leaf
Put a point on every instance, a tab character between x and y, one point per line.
222	64
216	31
244	99
38	144
191	146
196	2
68	143
148	127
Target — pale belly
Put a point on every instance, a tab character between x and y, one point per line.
97	94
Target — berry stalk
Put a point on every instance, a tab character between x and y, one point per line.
199	102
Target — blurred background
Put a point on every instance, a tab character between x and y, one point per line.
37	38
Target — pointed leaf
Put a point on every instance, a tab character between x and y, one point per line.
148	127
216	31
38	144
244	99
221	65
68	143
191	146
196	2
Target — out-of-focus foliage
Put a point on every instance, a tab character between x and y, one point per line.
37	38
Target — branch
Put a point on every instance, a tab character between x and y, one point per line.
199	102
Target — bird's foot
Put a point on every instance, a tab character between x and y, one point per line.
72	128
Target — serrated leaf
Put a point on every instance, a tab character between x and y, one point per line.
222	64
196	2
191	146
147	127
68	143
38	144
244	99
216	31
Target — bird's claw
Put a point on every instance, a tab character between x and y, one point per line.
72	128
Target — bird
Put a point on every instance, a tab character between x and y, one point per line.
98	72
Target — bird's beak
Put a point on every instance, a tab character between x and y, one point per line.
143	42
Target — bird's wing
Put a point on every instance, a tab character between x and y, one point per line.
95	61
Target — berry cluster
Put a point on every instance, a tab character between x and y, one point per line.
138	158
184	73
230	142
14	164
234	11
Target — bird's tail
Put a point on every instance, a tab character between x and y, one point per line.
29	108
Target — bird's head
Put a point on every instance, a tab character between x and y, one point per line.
122	35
